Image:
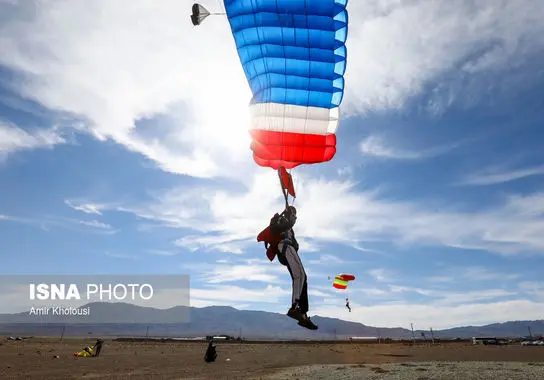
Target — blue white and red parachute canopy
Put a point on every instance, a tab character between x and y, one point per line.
294	57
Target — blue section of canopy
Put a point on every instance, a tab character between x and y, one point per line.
292	51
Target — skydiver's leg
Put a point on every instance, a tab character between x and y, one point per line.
304	303
294	311
298	275
300	287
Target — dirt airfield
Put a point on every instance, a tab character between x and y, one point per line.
46	358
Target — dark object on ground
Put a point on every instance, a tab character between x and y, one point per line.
98	347
211	353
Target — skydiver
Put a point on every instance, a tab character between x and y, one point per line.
347	305
288	256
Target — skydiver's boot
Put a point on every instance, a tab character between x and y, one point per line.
305	321
294	312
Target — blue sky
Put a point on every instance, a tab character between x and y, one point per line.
124	149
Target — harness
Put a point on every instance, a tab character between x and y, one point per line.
272	240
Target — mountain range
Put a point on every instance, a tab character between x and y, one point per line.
226	320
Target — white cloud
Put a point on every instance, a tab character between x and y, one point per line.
94	61
395	294
380	274
394	305
376	146
482	274
87	208
425	316
14	139
227	295
396	47
390	305
162	252
495	176
318	293
96	224
531	285
250	271
217	243
346	171
403	289
441	279
337	211
48	222
457	298
310	245
374	292
121	255
471	274
222	220
533	288
327	259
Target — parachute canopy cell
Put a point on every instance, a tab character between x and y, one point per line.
341	281
294	57
199	14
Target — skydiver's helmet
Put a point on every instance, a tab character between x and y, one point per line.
291	214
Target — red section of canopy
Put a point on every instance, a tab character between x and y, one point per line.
275	149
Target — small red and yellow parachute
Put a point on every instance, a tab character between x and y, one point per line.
341	281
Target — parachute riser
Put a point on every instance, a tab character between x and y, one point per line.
287	185
283	189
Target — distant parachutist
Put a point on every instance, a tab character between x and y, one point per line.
341	282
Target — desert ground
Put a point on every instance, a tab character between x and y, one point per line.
47	358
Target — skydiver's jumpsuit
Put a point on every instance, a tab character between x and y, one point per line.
288	256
